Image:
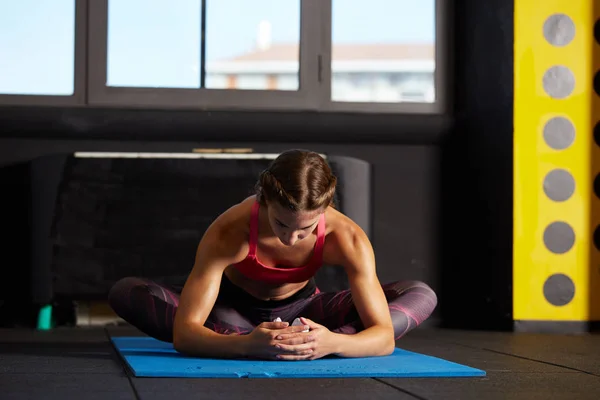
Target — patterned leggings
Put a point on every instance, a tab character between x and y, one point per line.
151	307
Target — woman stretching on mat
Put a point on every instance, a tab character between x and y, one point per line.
254	274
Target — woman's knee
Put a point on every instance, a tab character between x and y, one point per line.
411	303
430	294
403	288
422	286
120	293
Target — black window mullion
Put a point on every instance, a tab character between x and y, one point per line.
203	44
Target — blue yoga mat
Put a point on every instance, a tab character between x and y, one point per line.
148	357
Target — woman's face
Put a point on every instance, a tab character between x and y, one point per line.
291	226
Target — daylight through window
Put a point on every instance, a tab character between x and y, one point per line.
320	55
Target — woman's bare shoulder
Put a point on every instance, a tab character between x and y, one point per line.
236	217
230	230
338	223
344	236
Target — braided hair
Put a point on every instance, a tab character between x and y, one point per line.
299	180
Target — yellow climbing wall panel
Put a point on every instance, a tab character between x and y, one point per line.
556	269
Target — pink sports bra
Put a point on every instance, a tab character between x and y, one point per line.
252	268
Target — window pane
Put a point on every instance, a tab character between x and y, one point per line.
37	47
383	51
154	43
252	44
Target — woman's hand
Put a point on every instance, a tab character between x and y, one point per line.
318	342
261	342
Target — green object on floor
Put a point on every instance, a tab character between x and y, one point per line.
45	318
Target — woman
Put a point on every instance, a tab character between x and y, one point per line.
254	274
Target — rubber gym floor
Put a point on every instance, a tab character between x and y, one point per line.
80	363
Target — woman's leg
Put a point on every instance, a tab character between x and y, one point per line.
410	303
151	308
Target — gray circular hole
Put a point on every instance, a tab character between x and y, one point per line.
559	290
559	82
559	237
559	30
559	133
597	186
597	237
559	185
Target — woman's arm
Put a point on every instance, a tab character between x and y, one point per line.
215	252
352	249
219	248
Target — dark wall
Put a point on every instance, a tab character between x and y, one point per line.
443	185
477	170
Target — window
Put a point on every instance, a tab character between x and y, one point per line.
38	50
383	54
156	45
251	44
203	53
386	39
320	55
152	43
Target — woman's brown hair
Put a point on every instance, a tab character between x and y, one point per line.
299	180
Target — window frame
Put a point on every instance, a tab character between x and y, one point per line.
203	98
78	98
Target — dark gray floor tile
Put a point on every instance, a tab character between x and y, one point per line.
59	358
64	386
506	386
266	389
58	335
472	357
580	352
62	362
123	330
